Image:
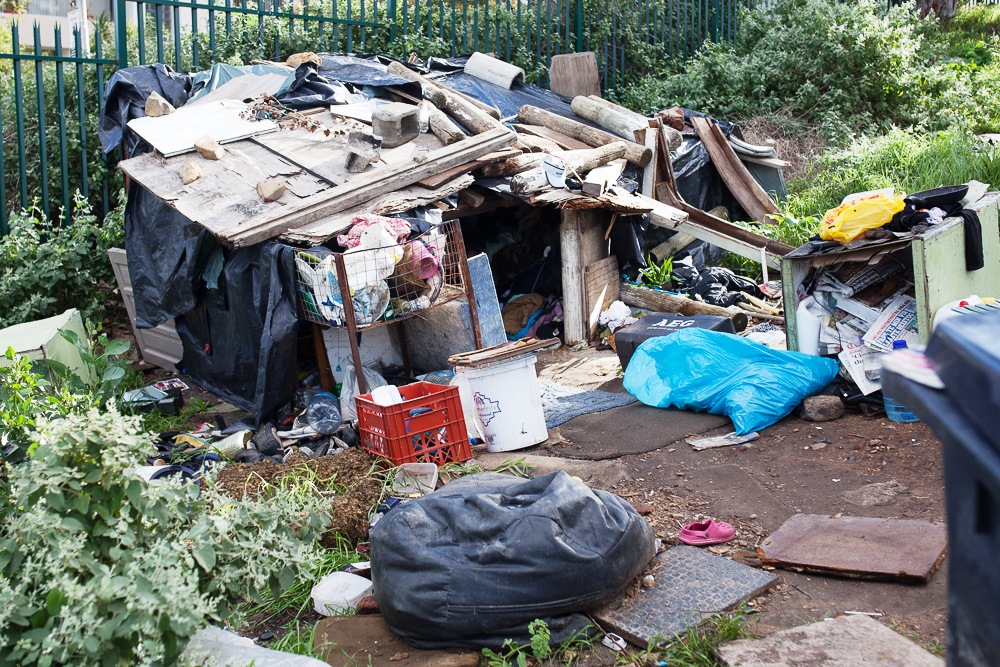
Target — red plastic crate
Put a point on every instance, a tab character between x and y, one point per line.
437	435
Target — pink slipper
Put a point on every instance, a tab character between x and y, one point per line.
706	532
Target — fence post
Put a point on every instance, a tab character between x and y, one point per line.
716	10
579	26
391	9
121	34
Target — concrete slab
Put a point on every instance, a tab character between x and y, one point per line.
690	585
850	641
603	474
367	641
857	547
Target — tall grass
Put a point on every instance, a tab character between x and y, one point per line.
901	159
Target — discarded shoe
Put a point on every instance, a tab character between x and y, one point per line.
706	532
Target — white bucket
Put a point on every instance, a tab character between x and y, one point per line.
508	403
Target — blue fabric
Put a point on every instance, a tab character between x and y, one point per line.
711	371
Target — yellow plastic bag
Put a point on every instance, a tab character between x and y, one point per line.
851	219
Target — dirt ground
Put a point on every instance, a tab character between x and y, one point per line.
795	466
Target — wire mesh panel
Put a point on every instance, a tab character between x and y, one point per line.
389	277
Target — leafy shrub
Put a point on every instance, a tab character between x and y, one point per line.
848	66
46	268
99	567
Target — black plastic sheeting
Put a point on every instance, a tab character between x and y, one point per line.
311	89
698	181
476	561
235	310
125	98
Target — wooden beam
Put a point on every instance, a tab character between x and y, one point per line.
465	112
601	178
621	124
367	186
664	302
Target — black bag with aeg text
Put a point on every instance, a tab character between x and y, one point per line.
477	560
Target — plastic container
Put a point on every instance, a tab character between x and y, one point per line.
323	413
414	479
339	592
893	409
427	427
508	403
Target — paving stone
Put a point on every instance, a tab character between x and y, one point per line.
850	641
857	547
356	641
157	105
690	585
209	148
396	123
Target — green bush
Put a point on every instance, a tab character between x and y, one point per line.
46	267
99	567
849	67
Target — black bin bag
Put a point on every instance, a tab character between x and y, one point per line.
474	562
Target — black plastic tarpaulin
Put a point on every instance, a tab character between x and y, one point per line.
235	310
473	563
125	98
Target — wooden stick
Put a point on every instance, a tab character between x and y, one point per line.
607	104
592	136
601	178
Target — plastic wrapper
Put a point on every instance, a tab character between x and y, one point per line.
473	563
349	389
853	218
709	371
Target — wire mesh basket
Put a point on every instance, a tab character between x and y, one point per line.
388	278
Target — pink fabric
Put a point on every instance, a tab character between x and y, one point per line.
396	226
424	263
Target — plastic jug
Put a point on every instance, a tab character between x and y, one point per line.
894	410
323	413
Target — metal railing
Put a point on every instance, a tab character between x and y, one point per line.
51	95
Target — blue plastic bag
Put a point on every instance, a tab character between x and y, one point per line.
711	371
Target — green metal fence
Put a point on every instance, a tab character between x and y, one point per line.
50	96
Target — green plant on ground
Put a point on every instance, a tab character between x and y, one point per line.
300	639
99	567
539	650
655	274
158	422
103	367
696	646
46	268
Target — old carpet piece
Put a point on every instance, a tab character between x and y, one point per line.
367	641
691	585
857	547
561	403
849	641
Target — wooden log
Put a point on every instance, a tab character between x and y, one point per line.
601	178
443	127
573	74
592	136
533	180
457	106
607	104
558	138
512	166
664	302
613	121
